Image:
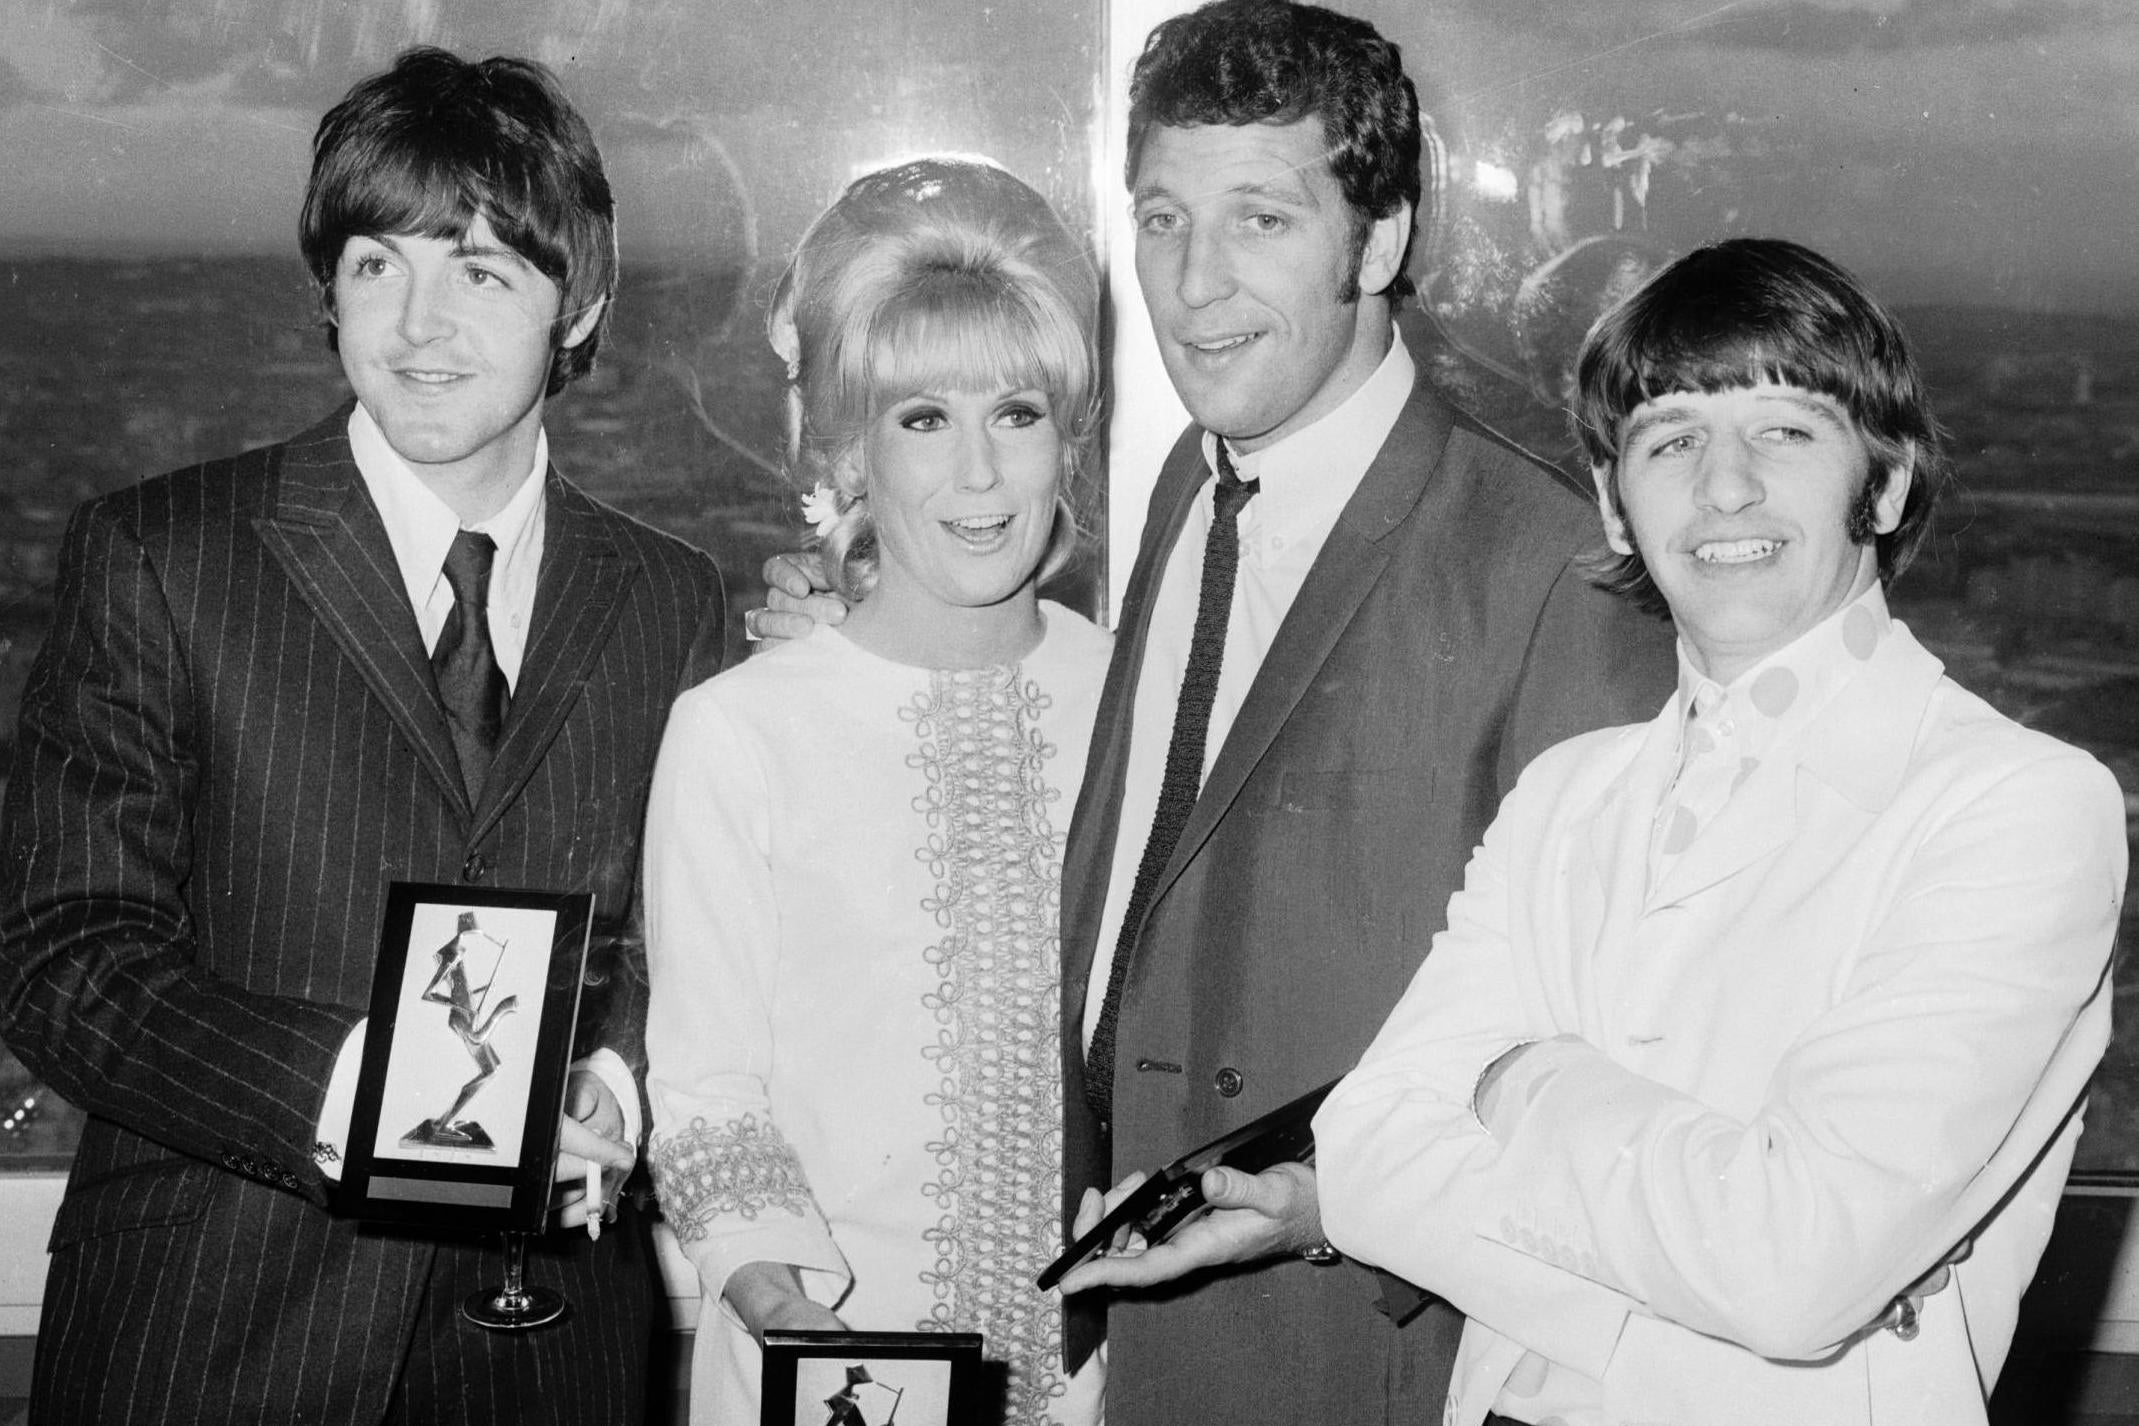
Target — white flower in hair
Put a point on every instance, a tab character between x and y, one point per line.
821	508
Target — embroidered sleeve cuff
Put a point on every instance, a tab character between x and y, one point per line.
734	1193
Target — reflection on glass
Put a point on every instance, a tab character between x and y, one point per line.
1579	147
38	1129
153	311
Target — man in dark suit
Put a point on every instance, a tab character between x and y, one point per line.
1394	619
1407	624
396	647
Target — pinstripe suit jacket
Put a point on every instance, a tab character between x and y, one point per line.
229	746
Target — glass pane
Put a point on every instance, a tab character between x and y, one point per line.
1971	162
153	310
38	1129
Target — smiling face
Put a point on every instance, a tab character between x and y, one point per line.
1244	252
448	346
1741	503
961	489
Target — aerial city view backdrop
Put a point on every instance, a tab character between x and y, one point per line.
1972	158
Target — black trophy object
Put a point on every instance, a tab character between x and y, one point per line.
481	1158
466	1018
846	1407
1172	1198
514	1306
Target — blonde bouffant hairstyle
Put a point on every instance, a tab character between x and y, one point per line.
935	273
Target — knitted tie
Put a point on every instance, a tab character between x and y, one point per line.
1184	762
470	683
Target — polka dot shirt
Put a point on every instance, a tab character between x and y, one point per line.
1727	732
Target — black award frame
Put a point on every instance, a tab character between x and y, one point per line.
468	979
881	1378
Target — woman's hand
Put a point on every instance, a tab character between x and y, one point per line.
769	1298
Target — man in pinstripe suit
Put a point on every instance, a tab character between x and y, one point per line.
234	741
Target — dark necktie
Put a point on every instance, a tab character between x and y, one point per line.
1183	779
470	683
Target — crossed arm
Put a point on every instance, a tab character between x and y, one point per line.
1892	1124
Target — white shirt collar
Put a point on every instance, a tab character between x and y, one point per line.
421	526
1314	470
1781	694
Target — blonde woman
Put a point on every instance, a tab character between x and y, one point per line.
855	840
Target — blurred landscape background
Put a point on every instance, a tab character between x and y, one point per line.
153	310
1977	161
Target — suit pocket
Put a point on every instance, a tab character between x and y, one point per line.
154	1194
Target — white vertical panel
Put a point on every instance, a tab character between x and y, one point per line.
1147	415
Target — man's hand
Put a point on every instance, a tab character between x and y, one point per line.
798	598
1253	1216
1903	1315
593	1132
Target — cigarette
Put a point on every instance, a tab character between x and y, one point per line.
594	1201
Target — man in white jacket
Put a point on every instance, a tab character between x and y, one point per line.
1743	1083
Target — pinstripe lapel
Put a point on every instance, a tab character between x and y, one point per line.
1342	576
578	600
330	541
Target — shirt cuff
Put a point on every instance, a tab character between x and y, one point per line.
332	1144
333	1135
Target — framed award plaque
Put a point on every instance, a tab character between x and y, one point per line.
465	1056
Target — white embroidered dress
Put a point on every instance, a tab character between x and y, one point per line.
853	876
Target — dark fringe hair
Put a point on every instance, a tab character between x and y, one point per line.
436	141
1272	62
1750	310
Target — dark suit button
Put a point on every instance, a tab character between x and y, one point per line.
475	868
1230	1081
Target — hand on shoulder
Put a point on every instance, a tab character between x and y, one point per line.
798	598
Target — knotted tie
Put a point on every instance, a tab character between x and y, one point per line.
1183	778
470	683
1709	768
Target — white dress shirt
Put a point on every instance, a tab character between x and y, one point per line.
1306	478
421	527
